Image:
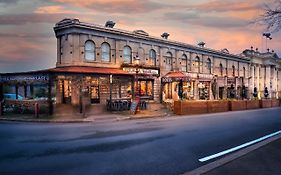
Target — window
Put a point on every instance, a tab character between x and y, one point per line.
184	63
105	52
233	71
209	66
168	59
146	88
196	64
221	70
244	72
152	57
90	51
127	54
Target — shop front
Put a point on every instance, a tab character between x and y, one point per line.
145	81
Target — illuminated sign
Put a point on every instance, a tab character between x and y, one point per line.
6	78
134	70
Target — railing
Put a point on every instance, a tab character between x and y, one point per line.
24	106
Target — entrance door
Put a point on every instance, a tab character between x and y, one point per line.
94	91
66	91
221	89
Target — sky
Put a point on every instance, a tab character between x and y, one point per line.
27	40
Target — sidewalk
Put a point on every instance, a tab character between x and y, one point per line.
264	160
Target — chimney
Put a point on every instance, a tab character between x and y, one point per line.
165	35
201	44
109	24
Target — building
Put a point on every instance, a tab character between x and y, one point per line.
96	64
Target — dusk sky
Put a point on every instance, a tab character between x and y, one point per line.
28	42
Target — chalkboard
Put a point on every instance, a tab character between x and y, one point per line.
134	106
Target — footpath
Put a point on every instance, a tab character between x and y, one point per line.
263	158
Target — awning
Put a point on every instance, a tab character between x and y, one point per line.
175	76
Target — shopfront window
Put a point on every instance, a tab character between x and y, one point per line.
146	88
203	89
188	90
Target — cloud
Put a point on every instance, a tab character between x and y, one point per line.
204	20
116	6
54	9
8	1
223	6
20	19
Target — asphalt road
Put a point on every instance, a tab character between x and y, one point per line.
169	146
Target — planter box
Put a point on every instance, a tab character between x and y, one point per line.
275	103
237	105
190	107
253	104
265	103
217	106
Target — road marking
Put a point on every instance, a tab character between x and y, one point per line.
238	147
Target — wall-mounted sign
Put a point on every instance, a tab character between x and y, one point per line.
21	78
134	70
175	79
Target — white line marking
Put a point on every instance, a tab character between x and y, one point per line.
239	147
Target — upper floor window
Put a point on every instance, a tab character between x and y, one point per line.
90	51
152	57
221	70
196	64
184	63
233	71
168	59
105	52
244	72
127	54
209	66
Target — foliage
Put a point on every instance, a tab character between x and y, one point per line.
272	16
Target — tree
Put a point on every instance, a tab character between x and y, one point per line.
272	16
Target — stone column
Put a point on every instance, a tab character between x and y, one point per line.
252	81
196	92
268	79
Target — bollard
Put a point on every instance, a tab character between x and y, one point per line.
36	110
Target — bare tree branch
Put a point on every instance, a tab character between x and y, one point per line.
272	16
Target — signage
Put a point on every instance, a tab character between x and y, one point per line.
134	70
5	78
134	106
175	79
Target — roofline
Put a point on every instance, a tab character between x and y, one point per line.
77	24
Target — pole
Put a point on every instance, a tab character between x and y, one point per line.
110	91
50	102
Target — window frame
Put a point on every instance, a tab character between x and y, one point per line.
93	50
103	52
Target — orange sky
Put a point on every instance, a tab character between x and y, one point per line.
28	42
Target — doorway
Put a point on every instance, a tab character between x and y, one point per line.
66	91
95	91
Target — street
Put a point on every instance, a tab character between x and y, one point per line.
160	146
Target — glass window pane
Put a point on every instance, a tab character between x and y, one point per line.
105	48
90	51
127	54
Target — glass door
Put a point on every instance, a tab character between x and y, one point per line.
94	91
66	91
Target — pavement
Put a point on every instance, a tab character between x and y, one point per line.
265	160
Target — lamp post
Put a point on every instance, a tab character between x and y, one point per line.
137	62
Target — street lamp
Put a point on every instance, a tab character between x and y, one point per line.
137	62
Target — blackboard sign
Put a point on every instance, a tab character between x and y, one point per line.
134	106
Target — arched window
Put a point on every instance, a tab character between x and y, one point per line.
184	63
233	71
221	70
196	64
127	54
209	66
152	57
168	59
105	52
244	72
90	51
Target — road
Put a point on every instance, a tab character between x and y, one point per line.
167	146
